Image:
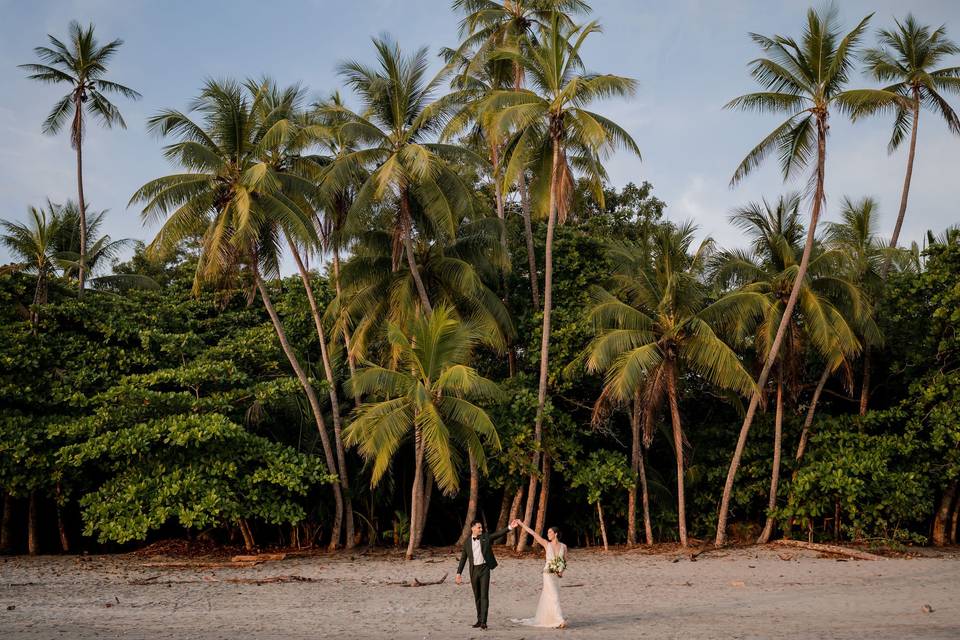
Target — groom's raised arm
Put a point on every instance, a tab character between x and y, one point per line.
502	533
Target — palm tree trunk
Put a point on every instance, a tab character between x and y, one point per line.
544	494
334	400
502	519
472	499
775	477
78	144
425	504
351	359
778	339
33	530
544	343
941	523
416	491
635	468
905	193
528	236
603	527
407	221
311	398
511	538
6	525
811	410
647	525
865	388
678	447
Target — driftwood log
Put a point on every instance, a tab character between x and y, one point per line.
830	549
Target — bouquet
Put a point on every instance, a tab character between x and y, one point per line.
558	565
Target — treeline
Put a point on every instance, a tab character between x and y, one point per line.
494	331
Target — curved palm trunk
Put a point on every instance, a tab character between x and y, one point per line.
544	343
407	222
472	500
678	447
778	339
351	359
334	400
525	209
416	492
311	398
811	410
775	478
544	495
81	203
905	193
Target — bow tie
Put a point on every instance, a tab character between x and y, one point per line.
476	537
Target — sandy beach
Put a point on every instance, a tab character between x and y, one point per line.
756	592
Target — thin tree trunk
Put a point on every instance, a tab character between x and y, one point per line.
678	446
525	209
78	144
544	495
811	410
647	525
941	523
603	527
503	518
351	360
416	491
544	343
865	389
249	542
775	477
425	504
635	468
511	538
33	531
6	526
471	500
778	339
956	518
905	193
312	399
334	400
408	248
61	524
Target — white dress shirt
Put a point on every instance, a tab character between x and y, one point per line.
478	558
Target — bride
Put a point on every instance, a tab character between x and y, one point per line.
548	609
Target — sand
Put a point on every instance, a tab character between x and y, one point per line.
755	592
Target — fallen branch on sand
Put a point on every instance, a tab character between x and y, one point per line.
261	557
179	564
418	583
830	549
258	581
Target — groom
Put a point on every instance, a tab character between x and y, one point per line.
478	551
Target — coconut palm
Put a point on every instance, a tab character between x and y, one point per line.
101	249
241	204
81	62
489	27
769	269
399	119
806	80
33	244
428	397
657	323
558	135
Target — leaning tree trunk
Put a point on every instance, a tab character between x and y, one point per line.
603	527
544	344
471	500
805	433
407	222
511	538
416	492
334	399
775	477
635	468
33	530
544	495
647	525
678	447
525	210
311	398
6	525
721	538
941	523
81	203
249	542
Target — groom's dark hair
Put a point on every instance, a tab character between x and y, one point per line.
476	521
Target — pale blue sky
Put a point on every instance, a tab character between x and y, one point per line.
690	57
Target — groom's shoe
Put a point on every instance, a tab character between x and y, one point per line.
483	626
476	624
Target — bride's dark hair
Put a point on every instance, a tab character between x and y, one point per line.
556	531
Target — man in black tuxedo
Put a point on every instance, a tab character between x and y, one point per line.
478	551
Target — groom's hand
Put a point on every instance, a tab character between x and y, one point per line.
459	579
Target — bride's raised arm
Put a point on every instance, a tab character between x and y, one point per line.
540	540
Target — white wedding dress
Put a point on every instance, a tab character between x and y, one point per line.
549	613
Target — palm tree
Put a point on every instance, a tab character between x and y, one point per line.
906	58
82	64
399	118
427	395
776	235
33	245
241	204
559	134
101	249
804	79
657	323
489	26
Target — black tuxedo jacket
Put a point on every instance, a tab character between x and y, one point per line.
486	548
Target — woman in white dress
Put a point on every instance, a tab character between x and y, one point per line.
548	613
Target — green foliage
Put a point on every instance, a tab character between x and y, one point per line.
601	472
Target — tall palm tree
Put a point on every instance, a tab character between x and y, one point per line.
241	204
804	79
559	135
33	244
658	323
769	269
399	119
488	27
427	395
81	62
907	57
